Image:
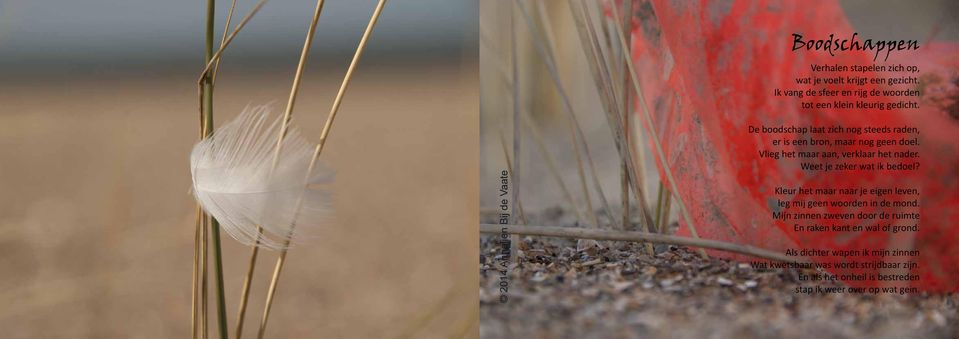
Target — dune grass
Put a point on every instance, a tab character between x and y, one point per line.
601	28
207	131
205	95
324	134
204	235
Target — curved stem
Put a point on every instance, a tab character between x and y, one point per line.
208	129
226	28
652	133
287	115
316	154
596	234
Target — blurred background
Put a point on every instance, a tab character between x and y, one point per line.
98	113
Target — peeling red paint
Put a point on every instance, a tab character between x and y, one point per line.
708	71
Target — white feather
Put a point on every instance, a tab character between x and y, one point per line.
234	180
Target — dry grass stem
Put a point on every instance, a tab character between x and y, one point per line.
596	234
197	238
287	116
247	285
226	28
603	76
543	46
625	169
206	111
204	293
319	149
652	133
239	26
573	124
517	130
205	96
659	206
509	167
667	206
553	168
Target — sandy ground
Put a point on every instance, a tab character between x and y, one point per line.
96	222
563	288
559	288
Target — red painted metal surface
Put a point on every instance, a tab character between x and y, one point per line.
708	70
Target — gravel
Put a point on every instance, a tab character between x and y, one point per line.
561	288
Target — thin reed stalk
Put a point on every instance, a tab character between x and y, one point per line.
603	76
207	89
595	234
199	250
226	28
632	143
625	168
667	205
652	133
637	150
205	95
582	177
199	273
287	115
509	167
659	207
195	312
553	168
319	149
218	274
204	274
572	121
247	285
517	130
206	72
543	46
535	133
